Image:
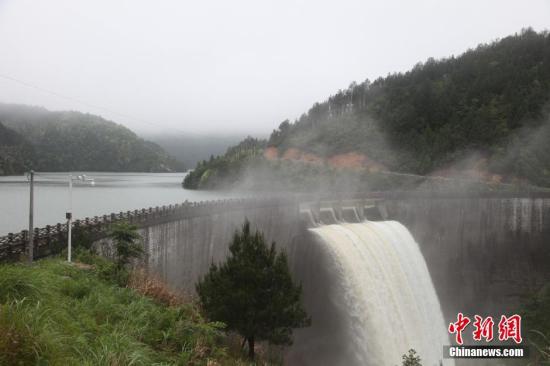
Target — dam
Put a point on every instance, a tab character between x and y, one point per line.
471	254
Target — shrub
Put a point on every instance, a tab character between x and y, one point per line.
411	359
125	237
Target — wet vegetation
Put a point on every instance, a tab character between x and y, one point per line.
101	312
411	359
35	138
253	292
55	313
536	317
16	154
484	110
227	169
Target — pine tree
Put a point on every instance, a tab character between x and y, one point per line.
125	238
411	359
252	292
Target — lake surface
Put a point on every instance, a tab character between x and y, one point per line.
111	192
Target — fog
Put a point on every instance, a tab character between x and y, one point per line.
228	67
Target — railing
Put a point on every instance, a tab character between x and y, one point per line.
52	239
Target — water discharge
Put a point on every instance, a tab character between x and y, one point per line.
386	292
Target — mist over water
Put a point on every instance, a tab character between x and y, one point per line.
381	294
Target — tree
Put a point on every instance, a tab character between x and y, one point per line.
65	141
430	118
125	238
252	292
411	359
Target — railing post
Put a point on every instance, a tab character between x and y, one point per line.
25	238
59	235
35	239
48	236
10	245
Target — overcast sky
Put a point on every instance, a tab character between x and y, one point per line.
229	66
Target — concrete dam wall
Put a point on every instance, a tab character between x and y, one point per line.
181	248
482	254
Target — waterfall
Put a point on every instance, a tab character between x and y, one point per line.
384	290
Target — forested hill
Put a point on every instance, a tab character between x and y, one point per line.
35	138
485	111
15	153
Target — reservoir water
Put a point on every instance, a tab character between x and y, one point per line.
110	192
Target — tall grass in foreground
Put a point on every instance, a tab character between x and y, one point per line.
535	311
53	313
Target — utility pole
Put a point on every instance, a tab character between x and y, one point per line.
70	218
31	214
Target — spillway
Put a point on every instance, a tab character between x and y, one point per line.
380	294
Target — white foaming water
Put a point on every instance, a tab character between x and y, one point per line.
387	292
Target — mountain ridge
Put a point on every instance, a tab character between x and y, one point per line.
70	140
483	113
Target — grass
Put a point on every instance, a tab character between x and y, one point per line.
54	313
535	313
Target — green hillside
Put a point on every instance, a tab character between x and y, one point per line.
74	141
227	169
484	111
59	313
15	152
